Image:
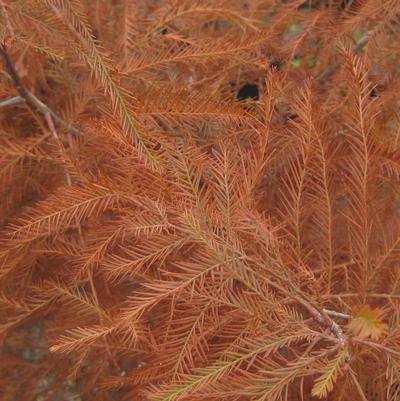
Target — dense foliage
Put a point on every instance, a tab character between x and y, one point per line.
200	200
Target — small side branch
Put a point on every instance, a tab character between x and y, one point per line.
12	101
28	97
339	315
53	131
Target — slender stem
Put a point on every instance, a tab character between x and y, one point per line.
30	99
337	314
53	131
12	101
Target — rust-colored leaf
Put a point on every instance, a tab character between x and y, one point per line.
367	322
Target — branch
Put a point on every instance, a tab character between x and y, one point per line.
53	131
12	101
320	316
337	314
325	321
31	100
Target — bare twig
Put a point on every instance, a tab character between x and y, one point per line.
31	100
337	314
361	43
12	101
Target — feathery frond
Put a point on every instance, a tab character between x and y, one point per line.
196	198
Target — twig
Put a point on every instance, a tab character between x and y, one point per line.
322	318
361	43
31	100
337	314
325	321
12	101
53	131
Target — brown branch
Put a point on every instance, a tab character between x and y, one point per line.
320	316
30	99
53	131
325	321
